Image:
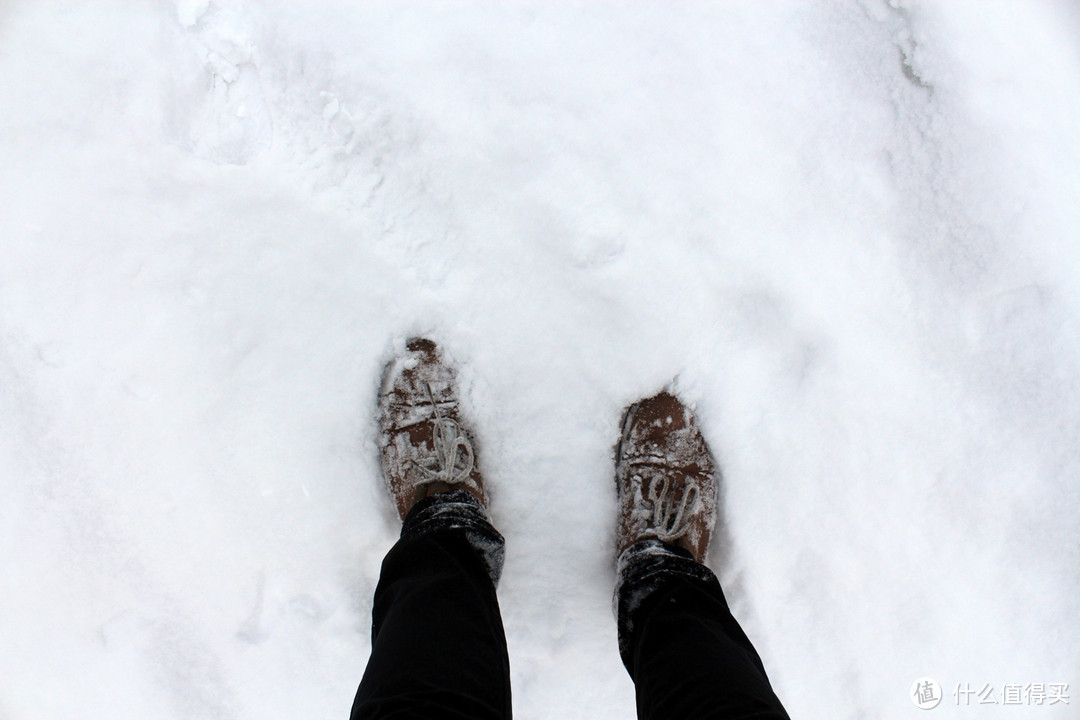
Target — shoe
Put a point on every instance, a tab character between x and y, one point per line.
424	444
665	478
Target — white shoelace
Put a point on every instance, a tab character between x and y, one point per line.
449	443
670	514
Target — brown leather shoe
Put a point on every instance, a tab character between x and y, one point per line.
665	477
424	444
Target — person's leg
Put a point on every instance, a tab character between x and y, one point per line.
686	653
438	648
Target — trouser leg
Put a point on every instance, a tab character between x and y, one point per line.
686	653
437	648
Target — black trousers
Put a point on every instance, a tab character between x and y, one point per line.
439	650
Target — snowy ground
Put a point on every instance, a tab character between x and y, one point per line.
848	231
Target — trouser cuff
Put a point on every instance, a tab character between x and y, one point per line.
459	510
642	569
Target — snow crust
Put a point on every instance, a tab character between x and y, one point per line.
848	233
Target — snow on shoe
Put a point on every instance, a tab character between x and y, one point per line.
665	477
422	438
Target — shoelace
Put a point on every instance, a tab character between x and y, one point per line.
448	441
670	514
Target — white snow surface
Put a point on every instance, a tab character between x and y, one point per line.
847	232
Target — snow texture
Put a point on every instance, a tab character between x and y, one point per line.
847	232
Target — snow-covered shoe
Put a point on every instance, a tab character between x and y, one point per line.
665	477
424	445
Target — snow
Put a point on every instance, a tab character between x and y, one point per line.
848	233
